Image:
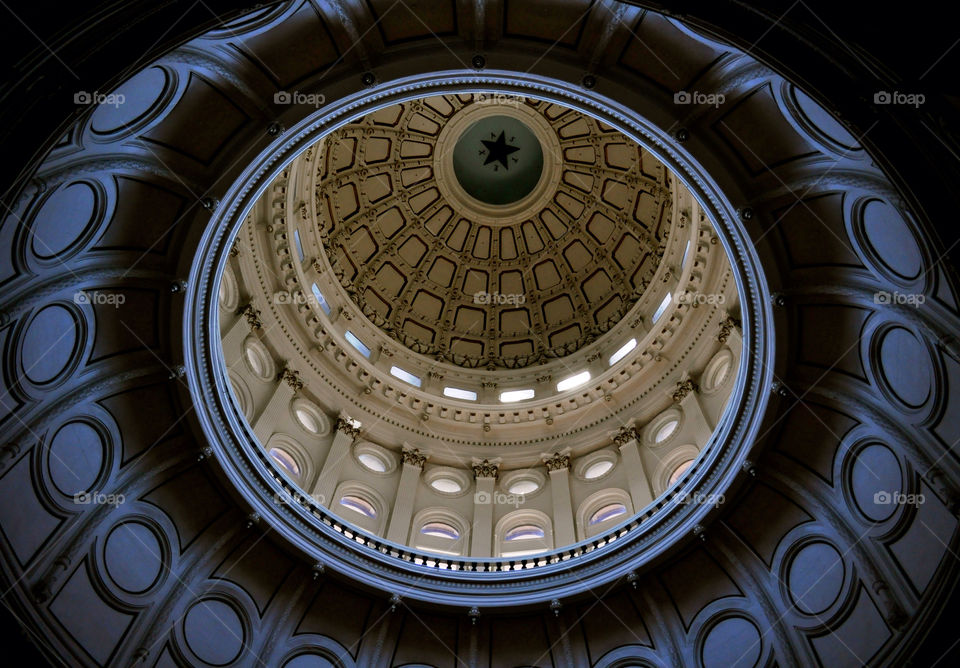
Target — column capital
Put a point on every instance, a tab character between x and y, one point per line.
486	469
557	462
625	435
292	378
727	325
684	387
413	457
252	314
345	426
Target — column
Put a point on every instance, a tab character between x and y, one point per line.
264	423
730	334
486	475
402	513
687	396
232	339
343	436
640	493
564	529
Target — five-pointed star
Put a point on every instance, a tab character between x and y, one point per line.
498	150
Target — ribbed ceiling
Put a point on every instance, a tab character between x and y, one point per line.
504	291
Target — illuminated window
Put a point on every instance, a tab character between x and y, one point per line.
598	469
372	462
320	300
523	486
663	307
524	532
356	343
622	351
608	512
440	530
680	470
299	244
285	461
405	376
573	381
457	393
686	254
515	395
446	485
666	431
358	505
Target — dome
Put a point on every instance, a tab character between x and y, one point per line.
220	449
485	344
450	273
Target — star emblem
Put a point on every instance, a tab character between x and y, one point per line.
498	150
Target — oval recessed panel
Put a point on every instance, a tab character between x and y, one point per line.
214	632
48	344
814	577
732	643
63	219
876	482
129	102
133	557
905	367
818	117
308	661
891	240
76	457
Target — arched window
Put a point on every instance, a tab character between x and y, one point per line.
286	461
523	533
602	511
608	512
359	505
679	471
440	530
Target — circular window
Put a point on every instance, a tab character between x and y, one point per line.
372	462
310	418
375	458
666	431
663	427
446	480
258	359
595	466
597	470
446	485
227	295
526	486
718	370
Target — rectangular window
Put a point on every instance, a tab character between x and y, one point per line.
320	300
516	395
296	239
405	376
622	351
357	343
457	393
573	381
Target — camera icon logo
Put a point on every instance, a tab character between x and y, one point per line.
482	498
682	97
881	97
82	97
282	97
883	498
